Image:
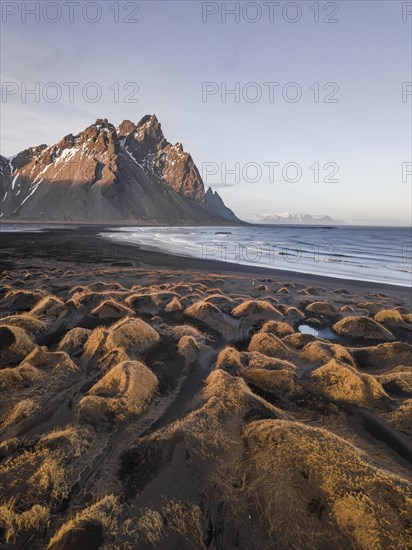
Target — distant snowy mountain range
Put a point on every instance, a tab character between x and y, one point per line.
293	219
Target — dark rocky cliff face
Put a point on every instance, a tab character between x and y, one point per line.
215	203
129	173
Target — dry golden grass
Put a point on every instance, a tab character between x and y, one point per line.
188	347
280	382
400	380
81	295
347	309
71	440
110	309
401	417
88	300
389	317
325	309
277	328
269	345
34	481
77	289
14	522
150	302
22	410
28	323
175	518
17	376
229	359
298	340
314	290
51	480
283	290
39	476
10	377
100	286
211	436
49	306
181	288
362	328
15	345
57	362
112	358
174	305
226	397
103	513
291	314
230	391
17	300
342	382
74	340
224	303
149	527
203	311
302	487
384	356
186	330
256	360
215	319
260	308
322	493
134	336
371	307
321	352
213	429
94	346
187	300
125	391
304	292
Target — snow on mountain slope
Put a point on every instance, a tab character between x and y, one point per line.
107	174
293	219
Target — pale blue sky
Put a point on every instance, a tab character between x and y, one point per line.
171	51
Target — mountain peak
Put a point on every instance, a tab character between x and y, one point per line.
146	138
104	173
150	120
103	124
125	128
149	128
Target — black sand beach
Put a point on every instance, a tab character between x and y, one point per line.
84	244
156	401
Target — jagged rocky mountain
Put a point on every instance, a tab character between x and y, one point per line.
105	174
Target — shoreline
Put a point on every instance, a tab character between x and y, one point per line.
91	246
271	270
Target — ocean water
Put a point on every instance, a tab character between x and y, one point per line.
376	254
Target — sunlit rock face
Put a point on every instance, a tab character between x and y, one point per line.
106	174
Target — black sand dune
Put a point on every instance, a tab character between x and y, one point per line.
157	402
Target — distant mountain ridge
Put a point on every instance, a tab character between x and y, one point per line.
107	174
294	219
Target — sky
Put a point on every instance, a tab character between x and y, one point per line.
284	106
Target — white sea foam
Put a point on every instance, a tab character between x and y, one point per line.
376	254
